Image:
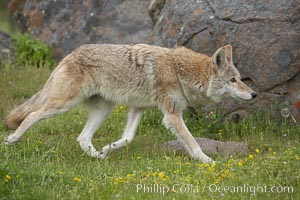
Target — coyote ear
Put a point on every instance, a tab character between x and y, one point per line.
219	59
222	56
228	51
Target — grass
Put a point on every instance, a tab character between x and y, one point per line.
47	163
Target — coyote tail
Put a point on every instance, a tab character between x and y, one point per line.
17	115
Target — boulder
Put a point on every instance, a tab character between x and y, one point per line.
211	147
7	53
264	35
65	25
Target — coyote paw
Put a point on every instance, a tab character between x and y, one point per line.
10	140
199	155
208	160
102	155
105	150
6	142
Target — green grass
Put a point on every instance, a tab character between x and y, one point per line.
47	163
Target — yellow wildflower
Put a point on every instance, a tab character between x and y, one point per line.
77	179
240	163
203	165
229	162
250	156
118	180
187	179
161	174
218	180
297	157
7	178
257	150
210	169
129	175
226	173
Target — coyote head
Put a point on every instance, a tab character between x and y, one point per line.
226	80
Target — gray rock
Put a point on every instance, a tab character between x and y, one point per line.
7	53
264	35
211	147
65	25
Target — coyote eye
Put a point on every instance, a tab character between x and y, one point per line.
233	80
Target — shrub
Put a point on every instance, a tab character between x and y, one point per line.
31	51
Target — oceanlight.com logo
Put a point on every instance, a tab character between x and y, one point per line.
252	190
213	188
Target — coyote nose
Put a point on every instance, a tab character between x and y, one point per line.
253	95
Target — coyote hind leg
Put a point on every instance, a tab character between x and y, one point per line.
43	113
99	110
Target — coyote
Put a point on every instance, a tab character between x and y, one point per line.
138	76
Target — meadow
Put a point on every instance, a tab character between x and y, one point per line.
47	163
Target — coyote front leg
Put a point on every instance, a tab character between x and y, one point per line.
134	117
175	123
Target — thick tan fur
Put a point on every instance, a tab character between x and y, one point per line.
17	115
138	76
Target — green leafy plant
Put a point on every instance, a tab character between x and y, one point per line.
32	51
